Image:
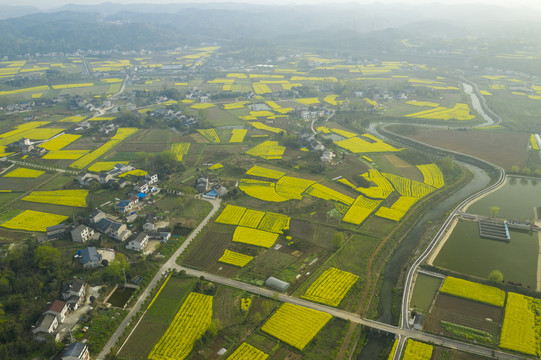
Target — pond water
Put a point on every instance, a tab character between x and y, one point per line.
466	252
516	200
426	288
120	297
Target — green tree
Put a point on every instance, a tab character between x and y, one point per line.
515	169
338	240
525	170
495	276
47	257
494	210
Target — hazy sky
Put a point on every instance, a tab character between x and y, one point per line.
54	3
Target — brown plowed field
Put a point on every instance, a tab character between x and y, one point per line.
466	313
503	149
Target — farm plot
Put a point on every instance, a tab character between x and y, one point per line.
503	149
268	150
473	291
360	210
432	175
59	142
24	173
190	323
254	237
331	287
382	189
247	352
157	319
522	324
33	221
295	325
270	263
237	135
235	258
259	171
59	197
207	250
467	314
262	190
416	350
359	145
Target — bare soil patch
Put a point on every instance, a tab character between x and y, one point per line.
503	149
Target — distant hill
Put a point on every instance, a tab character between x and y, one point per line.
8	12
155	27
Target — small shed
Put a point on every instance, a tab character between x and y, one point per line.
277	284
418	322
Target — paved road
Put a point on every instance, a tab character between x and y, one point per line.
170	264
403	333
26	164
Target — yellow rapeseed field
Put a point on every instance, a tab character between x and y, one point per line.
24	173
295	325
188	325
331	287
254	237
31	220
59	197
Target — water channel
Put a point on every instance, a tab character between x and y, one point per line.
401	255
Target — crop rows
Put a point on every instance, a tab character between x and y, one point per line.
235	105
291	187
64	154
416	350
122	133
237	135
264	172
180	149
231	215
189	324
59	197
273	222
268	150
261	89
235	258
432	175
325	193
262	190
254	237
407	187
247	352
473	291
34	221
252	218
458	112
210	135
331	287
295	325
59	142
382	189
357	145
347	183
422	103
400	207
360	210
521	324
261	126
24	173
346	134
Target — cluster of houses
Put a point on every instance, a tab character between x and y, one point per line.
73	295
153	229
313	144
209	187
